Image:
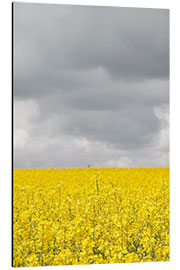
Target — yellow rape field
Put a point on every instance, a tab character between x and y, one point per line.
90	216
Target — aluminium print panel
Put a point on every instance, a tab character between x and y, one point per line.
91	135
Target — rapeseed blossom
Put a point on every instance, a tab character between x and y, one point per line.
90	216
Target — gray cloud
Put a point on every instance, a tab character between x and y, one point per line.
128	43
91	86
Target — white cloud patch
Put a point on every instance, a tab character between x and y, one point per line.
123	162
25	113
162	113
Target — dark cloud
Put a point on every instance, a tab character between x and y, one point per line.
126	129
90	78
128	43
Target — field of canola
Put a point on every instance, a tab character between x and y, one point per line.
90	216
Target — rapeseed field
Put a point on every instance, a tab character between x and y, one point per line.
90	216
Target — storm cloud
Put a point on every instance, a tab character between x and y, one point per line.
91	86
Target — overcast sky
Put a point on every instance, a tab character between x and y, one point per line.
91	86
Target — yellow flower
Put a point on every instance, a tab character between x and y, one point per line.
84	216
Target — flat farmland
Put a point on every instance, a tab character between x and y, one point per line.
90	216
